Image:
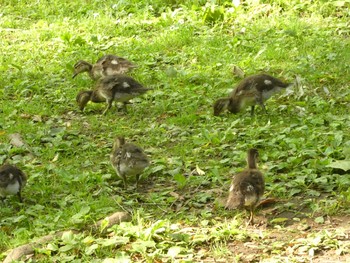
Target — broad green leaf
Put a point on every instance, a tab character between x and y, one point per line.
180	179
52	247
83	211
340	3
19	218
343	164
67	236
91	249
156	227
279	220
142	246
104	224
116	240
89	240
66	248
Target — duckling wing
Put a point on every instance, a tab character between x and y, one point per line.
111	65
135	154
246	189
133	160
116	159
246	88
266	83
257	180
119	81
252	187
235	198
106	58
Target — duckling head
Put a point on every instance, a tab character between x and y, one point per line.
80	67
220	105
83	98
252	158
5	178
118	142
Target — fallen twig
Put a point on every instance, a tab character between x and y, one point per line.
27	249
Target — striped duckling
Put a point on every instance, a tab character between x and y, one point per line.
128	160
119	88
12	181
247	187
106	66
253	90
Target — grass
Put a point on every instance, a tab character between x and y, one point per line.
186	52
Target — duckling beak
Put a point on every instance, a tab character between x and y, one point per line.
74	75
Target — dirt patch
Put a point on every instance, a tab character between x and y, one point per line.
300	241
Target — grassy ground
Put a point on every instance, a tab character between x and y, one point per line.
186	53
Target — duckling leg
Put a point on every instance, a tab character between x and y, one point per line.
263	106
124	181
109	105
137	181
259	100
252	111
20	197
124	106
251	218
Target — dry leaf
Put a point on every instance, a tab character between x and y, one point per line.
199	170
237	71
55	158
16	140
37	118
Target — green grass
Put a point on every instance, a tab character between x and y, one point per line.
187	57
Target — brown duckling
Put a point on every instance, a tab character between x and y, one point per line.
12	180
247	187
120	88
128	159
106	66
250	91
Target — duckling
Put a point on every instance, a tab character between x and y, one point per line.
250	91
247	187
128	159
106	66
12	180
120	88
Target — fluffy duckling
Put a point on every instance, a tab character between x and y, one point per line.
12	180
120	88
247	187
250	91
106	66
128	159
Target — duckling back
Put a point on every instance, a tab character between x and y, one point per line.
254	90
109	65
105	66
120	88
260	83
133	159
246	189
